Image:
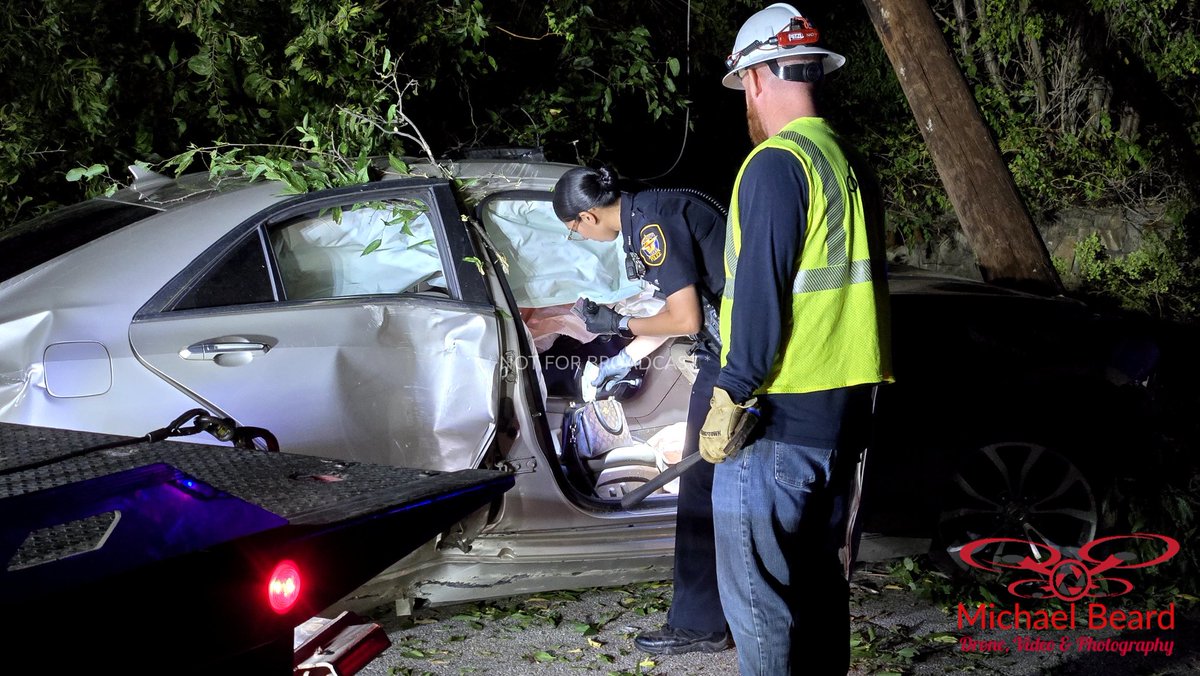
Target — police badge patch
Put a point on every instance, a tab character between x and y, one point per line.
654	245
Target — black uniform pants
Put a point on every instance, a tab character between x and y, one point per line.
696	604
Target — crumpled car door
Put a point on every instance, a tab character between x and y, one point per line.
349	325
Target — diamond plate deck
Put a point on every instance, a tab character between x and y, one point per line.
304	490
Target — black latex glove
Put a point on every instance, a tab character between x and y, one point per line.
601	319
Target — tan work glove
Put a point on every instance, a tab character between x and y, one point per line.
720	425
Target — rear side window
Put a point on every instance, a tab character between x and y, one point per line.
33	242
381	247
385	247
241	277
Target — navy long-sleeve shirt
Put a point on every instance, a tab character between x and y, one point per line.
773	206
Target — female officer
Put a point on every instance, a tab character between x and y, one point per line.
674	239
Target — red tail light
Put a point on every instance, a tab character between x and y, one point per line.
283	589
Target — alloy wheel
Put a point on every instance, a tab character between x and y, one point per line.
1032	497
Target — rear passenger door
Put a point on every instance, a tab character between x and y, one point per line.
350	323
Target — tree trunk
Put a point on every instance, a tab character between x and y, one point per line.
1008	247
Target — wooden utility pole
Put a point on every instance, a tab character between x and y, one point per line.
1008	247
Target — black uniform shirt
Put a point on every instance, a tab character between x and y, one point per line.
679	238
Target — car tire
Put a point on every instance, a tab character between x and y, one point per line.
1018	490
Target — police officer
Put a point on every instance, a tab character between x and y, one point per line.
675	240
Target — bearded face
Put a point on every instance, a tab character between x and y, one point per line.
758	132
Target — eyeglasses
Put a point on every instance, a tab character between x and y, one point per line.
573	230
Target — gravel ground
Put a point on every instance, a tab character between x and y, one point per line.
591	631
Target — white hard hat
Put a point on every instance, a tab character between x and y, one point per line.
777	31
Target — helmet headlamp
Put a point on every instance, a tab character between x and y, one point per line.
798	32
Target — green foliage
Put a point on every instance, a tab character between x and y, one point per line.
927	583
1169	507
1160	32
1062	87
893	649
599	70
870	108
183	79
1092	104
1159	279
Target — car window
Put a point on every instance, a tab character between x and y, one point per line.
239	278
376	248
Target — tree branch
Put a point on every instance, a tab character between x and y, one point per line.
521	37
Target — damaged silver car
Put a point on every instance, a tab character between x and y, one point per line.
410	323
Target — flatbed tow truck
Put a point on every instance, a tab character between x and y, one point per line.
156	556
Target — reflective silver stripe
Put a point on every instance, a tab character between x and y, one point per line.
835	206
819	279
730	257
832	277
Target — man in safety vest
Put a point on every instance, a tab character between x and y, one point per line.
804	325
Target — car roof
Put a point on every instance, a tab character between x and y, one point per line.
907	279
163	193
477	179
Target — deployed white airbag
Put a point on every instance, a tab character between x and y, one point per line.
366	251
544	268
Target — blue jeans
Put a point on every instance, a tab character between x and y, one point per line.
776	512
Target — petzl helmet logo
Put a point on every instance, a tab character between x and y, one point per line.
1071	579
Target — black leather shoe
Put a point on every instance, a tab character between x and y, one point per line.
672	641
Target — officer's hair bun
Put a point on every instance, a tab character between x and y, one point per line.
606	178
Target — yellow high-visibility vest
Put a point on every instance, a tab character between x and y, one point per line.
838	335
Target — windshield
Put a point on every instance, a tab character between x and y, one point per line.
33	242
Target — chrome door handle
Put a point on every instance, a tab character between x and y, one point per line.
215	349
